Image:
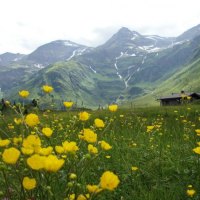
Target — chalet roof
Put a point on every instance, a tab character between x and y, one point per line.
179	95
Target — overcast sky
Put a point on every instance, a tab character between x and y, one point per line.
27	24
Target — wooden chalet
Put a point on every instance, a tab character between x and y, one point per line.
178	98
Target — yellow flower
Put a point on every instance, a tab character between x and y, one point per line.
113	107
68	104
4	143
134	168
88	135
93	188
198	143
10	126
17	121
47	88
59	149
32	142
47	131
11	155
108	157
92	149
105	145
52	163
84	116
17	140
46	151
81	197
198	132
32	120
29	183
72	176
99	123
190	192
109	180
36	162
23	93
27	151
150	128
197	150
70	147
71	196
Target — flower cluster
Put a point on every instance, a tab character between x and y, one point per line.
44	149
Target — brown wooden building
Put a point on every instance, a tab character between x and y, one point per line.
178	98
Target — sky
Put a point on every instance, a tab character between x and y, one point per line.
28	24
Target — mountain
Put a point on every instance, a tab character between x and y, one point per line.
124	53
139	61
128	66
16	68
59	50
8	58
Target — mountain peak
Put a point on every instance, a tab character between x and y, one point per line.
126	32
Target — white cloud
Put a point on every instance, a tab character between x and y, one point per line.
27	24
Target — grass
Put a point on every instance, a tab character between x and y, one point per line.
164	157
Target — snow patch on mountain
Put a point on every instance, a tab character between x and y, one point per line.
144	58
124	54
156	49
68	43
73	54
39	66
146	48
17	59
117	72
128	77
81	51
155	37
93	69
77	52
134	36
150	48
177	43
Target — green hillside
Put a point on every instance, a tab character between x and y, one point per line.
186	79
72	81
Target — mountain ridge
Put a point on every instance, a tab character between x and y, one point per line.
125	67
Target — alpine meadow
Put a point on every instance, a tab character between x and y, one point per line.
120	121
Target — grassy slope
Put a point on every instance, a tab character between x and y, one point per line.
164	157
186	79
